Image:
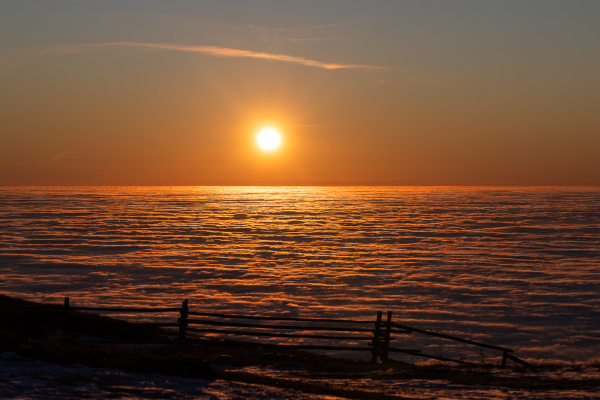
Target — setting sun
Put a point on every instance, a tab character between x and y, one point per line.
268	139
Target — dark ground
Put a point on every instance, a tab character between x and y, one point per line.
38	333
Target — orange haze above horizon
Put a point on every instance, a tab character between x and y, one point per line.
384	94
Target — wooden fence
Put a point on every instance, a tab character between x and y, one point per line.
377	333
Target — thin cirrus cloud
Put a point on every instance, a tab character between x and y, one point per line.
213	51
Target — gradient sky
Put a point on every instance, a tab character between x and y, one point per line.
363	92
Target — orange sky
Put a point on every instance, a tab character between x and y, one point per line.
390	93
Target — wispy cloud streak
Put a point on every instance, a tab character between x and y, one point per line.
213	51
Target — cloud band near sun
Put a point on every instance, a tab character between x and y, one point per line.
213	51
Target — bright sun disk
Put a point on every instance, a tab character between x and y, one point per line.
268	139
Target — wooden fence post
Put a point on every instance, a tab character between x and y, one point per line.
66	327
375	343
183	320
386	343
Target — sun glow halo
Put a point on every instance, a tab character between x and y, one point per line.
268	139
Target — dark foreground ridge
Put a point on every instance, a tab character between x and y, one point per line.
36	332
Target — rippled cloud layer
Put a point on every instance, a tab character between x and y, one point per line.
512	267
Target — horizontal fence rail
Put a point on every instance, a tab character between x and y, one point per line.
246	333
505	351
126	309
285	327
441	335
378	339
337	321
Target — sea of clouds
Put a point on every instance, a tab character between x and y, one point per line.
515	267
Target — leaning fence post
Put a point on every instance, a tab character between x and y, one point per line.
504	357
386	343
66	317
376	334
183	320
